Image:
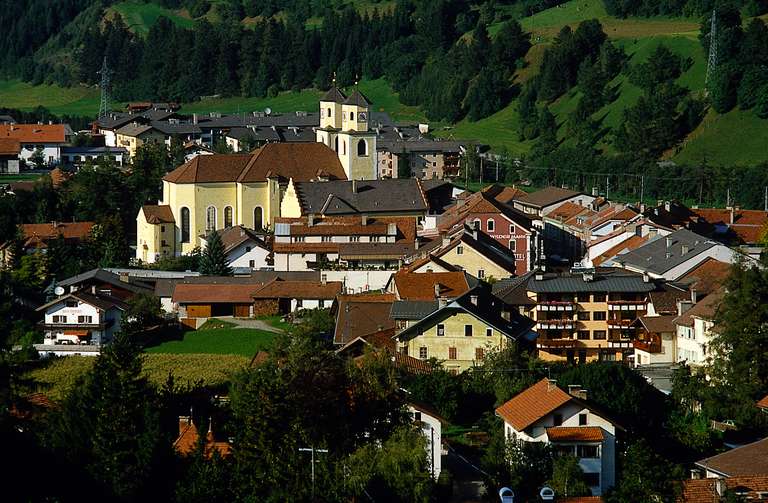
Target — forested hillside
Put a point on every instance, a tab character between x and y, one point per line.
595	85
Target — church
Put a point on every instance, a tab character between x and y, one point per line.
213	192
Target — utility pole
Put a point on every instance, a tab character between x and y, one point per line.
765	199
481	172
312	450
497	171
104	85
712	60
728	198
642	188
607	187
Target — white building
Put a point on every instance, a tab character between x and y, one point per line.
48	139
545	413
694	330
430	423
80	323
244	248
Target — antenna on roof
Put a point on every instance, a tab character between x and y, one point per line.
333	80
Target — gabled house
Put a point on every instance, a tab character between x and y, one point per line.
473	251
102	282
430	422
286	296
80	323
343	242
570	424
133	135
674	255
747	460
459	332
762	404
655	340
510	228
542	202
189	439
245	249
46	138
37	237
717	490
387	197
358	316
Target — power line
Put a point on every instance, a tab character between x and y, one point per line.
104	85
712	60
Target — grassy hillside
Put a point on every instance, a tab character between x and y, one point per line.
60	100
140	16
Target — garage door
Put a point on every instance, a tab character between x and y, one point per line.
199	311
242	310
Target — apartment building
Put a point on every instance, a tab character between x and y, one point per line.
588	315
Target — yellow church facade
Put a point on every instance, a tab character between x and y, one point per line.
213	192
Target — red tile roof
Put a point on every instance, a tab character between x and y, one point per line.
37	235
704	309
209	168
530	405
705	490
290	289
59	176
421	286
158	214
188	438
34	133
763	403
568	210
748	225
626	245
509	194
575	434
481	203
707	277
214	293
10	146
750	459
361	315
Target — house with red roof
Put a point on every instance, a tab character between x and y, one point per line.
570	424
37	237
47	139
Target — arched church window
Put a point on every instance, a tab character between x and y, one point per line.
185	225
228	216
210	218
362	148
257	218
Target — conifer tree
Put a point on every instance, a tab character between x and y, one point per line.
213	261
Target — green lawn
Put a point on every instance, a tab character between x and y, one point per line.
140	16
231	341
22	177
498	130
737	137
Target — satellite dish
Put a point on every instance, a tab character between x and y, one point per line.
267	111
59	290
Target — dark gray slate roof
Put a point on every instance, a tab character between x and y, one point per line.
605	280
372	196
334	94
357	98
173	128
514	291
487	309
93	150
255	133
420	145
106	277
664	253
548	196
412	309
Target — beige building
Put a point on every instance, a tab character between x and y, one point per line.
460	332
134	135
214	192
588	316
344	128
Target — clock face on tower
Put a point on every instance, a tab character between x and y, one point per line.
362	116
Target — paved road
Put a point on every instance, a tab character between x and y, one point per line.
258	324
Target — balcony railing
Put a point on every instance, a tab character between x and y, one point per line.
73	326
556	343
647	346
614	323
626	305
555	305
555	324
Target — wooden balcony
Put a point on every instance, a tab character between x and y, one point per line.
627	305
542	343
619	324
555	305
555	324
647	346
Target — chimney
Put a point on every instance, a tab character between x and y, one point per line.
577	391
194	118
694	295
364	219
595	191
324	280
732	215
437	290
446	240
551	384
473	299
354	186
684	249
310	220
442	302
416	243
539	275
124	277
646	277
683	306
667	206
668	241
